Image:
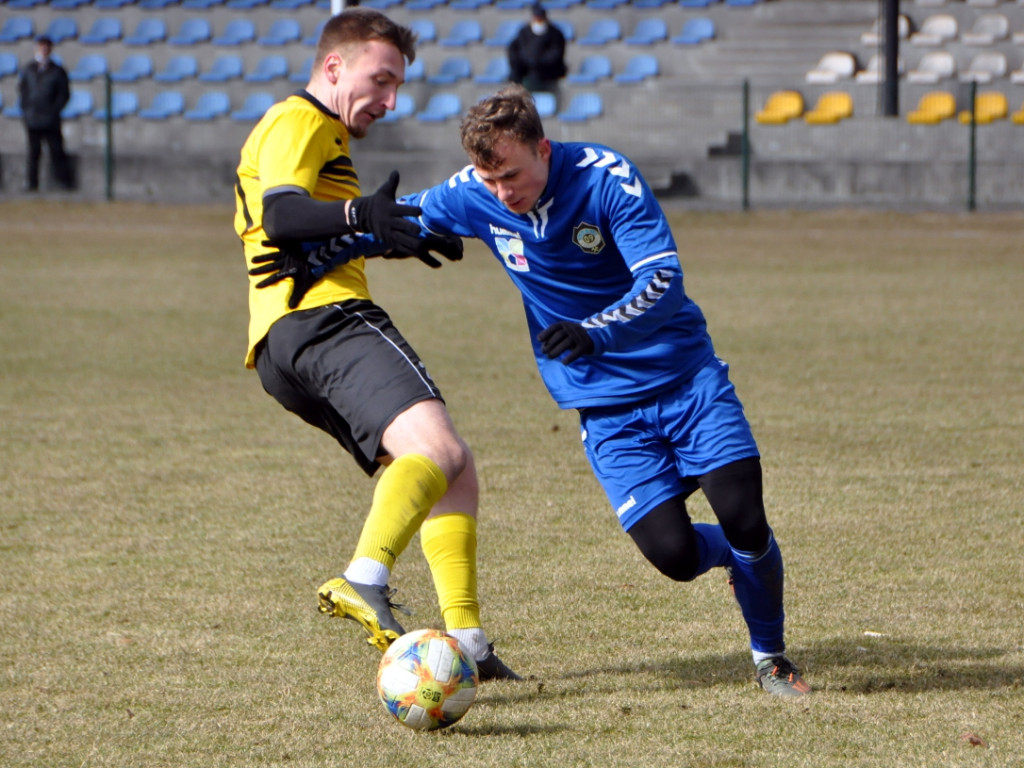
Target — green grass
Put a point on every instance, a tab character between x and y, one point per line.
164	524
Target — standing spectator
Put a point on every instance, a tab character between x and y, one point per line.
43	90
536	57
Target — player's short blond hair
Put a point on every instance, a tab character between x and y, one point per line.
509	114
362	25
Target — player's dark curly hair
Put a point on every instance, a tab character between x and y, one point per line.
508	114
361	25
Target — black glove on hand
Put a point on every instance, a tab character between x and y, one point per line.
568	337
379	215
289	261
448	246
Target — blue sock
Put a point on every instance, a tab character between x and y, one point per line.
714	549
757	581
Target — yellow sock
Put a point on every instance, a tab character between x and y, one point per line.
405	494
449	543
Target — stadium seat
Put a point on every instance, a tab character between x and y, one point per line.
988	107
874	72
985	67
268	68
1017	118
405	106
62	28
515	5
13	112
988	29
133	68
17	28
568	30
425	29
602	32
780	108
830	108
591	70
496	71
648	4
742	3
467	5
223	68
122	104
605	5
440	107
1017	76
560	5
178	68
452	70
648	31
464	32
201	5
254	107
933	67
111	5
381	5
191	32
695	31
933	107
156	5
423	5
90	66
104	30
78	105
209	106
148	32
832	68
639	68
282	32
504	34
165	104
936	30
303	73
415	71
289	5
8	64
873	37
546	103
23	4
314	37
236	32
246	5
696	3
582	107
67	5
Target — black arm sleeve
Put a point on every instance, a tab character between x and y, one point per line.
292	216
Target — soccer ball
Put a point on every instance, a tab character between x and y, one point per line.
426	680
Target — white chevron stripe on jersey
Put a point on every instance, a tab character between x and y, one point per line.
639	304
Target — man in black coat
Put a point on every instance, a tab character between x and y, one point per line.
536	57
43	91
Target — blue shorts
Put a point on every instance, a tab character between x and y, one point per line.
648	452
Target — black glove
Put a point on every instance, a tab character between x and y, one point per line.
379	215
289	261
568	337
448	246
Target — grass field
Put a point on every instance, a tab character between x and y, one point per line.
164	524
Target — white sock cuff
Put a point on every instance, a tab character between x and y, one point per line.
366	570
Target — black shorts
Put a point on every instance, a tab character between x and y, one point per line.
346	369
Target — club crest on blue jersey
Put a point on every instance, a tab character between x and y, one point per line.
511	250
588	238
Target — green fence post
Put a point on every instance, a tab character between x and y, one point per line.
745	147
972	156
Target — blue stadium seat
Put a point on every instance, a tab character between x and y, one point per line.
582	107
104	30
314	38
602	32
638	69
282	32
88	67
504	33
381	5
651	3
201	5
178	68
122	104
423	5
695	31
111	5
515	5
8	64
254	107
223	68
210	105
13	111
303	73
496	71
246	5
133	68
546	103
165	104
452	70
192	32
67	5
441	107
605	5
425	29
22	4
561	5
568	30
78	105
742	3
463	32
156	5
648	31
467	5
289	5
17	28
268	68
148	32
592	69
62	28
236	32
405	106
415	71
696	3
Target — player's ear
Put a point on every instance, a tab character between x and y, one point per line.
544	148
332	67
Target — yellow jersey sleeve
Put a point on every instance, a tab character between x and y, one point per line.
297	145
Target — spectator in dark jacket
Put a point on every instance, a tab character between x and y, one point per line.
43	91
536	57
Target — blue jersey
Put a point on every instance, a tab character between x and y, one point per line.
596	249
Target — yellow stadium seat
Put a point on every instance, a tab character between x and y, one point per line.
1018	116
934	107
781	107
987	107
830	108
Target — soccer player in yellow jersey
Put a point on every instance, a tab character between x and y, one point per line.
327	353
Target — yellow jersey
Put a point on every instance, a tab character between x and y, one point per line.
297	144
